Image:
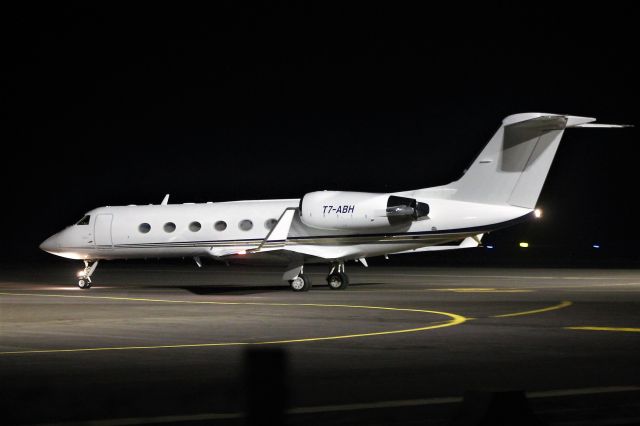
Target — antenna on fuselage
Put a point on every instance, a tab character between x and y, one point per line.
165	200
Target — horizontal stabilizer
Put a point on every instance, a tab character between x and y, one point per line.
604	126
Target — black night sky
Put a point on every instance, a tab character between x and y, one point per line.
106	105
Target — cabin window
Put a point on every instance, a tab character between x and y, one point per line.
245	225
169	227
144	228
270	223
84	220
220	225
194	226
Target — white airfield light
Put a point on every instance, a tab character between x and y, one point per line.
334	227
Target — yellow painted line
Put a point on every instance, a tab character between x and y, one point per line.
587	286
619	329
517	277
564	304
454	320
482	290
207	302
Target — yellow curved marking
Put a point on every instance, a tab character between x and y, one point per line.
623	329
564	304
455	320
482	290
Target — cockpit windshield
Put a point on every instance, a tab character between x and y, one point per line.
84	220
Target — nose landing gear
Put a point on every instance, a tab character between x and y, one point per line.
84	276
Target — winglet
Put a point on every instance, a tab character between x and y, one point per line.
280	231
277	237
165	200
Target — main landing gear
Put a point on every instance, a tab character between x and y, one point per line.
84	276
296	277
337	278
300	283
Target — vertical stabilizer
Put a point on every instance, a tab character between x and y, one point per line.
512	168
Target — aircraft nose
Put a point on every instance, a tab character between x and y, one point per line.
50	244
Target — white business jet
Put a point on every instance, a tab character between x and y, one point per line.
500	188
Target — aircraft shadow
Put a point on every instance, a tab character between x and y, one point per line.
205	290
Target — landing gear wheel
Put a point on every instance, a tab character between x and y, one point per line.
300	283
338	280
84	276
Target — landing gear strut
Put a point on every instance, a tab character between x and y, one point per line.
84	276
337	278
300	283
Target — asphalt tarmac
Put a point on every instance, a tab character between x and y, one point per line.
158	344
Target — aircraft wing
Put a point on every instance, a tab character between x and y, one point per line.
469	242
325	252
276	240
341	252
225	251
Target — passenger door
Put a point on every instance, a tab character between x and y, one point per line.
102	231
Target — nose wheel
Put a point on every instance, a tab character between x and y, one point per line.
84	276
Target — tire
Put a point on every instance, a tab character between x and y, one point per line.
338	281
83	283
300	283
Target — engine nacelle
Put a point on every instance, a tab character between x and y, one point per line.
341	210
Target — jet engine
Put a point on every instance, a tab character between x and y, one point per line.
341	210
